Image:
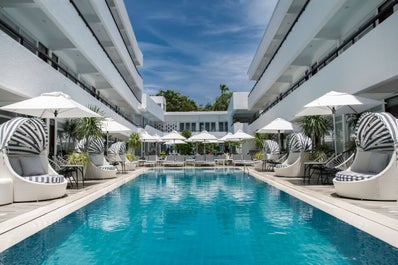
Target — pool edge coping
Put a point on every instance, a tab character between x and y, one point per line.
20	227
380	226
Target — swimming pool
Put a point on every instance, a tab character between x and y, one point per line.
199	216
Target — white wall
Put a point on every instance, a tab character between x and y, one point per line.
113	32
304	31
68	21
23	73
369	62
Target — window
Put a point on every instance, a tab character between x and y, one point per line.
213	127
201	126
187	126
220	126
181	126
54	59
43	52
193	127
207	126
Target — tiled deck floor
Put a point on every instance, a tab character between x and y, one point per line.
19	220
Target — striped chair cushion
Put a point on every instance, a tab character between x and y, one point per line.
110	167
352	176
48	178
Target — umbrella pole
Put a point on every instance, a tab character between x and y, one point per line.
107	141
334	130
55	137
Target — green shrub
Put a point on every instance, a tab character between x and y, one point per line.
78	159
259	156
130	156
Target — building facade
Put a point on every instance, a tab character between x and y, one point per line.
312	47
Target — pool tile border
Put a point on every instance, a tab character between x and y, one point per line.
380	226
22	226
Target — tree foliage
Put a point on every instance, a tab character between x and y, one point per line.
315	127
177	102
89	126
222	101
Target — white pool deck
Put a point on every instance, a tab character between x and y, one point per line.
21	220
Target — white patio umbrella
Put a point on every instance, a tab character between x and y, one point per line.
146	138
52	105
170	142
172	137
337	102
108	125
239	136
203	137
278	126
225	137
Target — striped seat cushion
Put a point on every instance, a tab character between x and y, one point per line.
48	178
110	167
353	176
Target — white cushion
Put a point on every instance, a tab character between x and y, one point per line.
377	162
16	165
31	166
97	159
292	158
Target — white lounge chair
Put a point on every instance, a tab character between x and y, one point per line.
151	161
204	160
97	167
299	146
174	161
271	153
24	161
242	160
373	174
117	154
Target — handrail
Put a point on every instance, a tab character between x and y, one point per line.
32	47
99	43
280	44
124	41
329	57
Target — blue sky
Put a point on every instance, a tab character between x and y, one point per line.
193	46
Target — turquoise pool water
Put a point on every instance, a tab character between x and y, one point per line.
199	216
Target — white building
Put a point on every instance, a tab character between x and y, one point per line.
215	122
313	47
86	49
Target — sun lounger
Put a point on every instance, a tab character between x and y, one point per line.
373	173
24	161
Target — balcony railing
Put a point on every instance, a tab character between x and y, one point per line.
103	48
354	37
35	50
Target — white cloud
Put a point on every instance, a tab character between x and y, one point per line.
211	51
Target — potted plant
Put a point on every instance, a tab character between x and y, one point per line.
78	158
130	156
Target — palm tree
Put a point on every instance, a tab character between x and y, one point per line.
70	131
89	126
260	137
315	127
134	141
223	88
